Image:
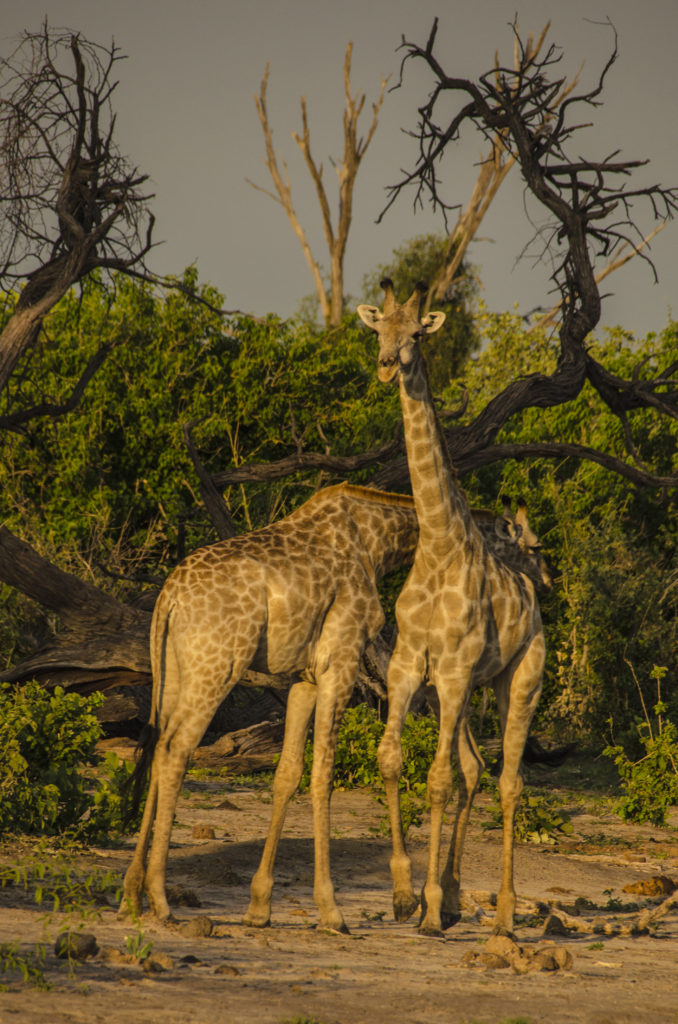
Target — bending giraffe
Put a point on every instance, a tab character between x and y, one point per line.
464	620
300	597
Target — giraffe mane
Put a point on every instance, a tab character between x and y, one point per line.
393	498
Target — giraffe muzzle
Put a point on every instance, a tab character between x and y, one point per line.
387	368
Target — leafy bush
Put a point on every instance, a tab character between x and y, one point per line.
650	784
537	819
356	761
359	737
47	743
45	739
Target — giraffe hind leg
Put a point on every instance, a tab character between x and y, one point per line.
470	769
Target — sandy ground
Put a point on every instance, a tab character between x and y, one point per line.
382	971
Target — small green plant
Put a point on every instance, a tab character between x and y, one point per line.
650	785
28	967
136	945
59	887
356	761
537	819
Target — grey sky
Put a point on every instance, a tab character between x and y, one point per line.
186	116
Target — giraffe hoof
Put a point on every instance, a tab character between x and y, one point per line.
448	920
252	921
430	930
404	908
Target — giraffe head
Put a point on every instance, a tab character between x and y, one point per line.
399	328
520	546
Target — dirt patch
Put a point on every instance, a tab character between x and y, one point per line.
382	971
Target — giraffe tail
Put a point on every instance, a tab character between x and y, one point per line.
135	787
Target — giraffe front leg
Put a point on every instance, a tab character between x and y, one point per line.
334	690
300	704
471	767
517	701
401	687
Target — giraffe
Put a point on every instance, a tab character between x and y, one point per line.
464	620
300	597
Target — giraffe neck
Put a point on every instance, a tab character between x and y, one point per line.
442	509
387	524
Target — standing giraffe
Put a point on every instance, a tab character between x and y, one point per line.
464	620
300	597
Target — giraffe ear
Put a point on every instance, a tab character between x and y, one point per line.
502	528
529	535
370	315
432	322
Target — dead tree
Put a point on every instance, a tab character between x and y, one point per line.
592	206
70	203
332	300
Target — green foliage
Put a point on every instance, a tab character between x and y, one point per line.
356	761
45	739
649	784
612	546
539	818
113	480
47	743
28	966
359	737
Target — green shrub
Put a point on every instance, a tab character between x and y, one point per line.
360	734
356	761
47	745
537	819
650	784
45	739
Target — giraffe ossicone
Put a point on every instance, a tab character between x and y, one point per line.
465	619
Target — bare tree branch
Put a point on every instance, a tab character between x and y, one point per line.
69	202
336	237
530	109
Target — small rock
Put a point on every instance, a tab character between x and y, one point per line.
658	885
203	832
113	955
197	927
554	925
502	945
228	805
563	958
227	969
156	963
76	945
492	960
180	896
544	960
